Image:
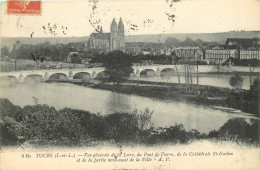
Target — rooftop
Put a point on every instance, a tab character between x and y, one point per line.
103	36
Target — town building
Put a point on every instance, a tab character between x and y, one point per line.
216	56
236	48
188	53
249	54
114	40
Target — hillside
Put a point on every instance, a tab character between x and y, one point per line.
211	37
10	41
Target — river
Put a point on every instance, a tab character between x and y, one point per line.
166	113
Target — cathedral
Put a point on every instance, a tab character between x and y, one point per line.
115	40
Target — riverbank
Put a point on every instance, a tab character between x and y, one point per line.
221	98
230	73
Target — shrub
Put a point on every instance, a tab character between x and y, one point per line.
10	110
121	126
92	123
143	118
236	82
253	131
234	129
177	133
10	131
45	123
213	134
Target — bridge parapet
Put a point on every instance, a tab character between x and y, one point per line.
46	74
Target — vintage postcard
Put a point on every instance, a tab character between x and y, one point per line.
130	84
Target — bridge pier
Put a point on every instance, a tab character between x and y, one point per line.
137	72
70	77
20	77
158	71
46	76
94	74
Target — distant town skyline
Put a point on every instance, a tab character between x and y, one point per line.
81	18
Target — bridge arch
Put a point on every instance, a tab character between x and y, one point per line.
167	71
100	75
148	72
58	76
82	75
33	78
9	79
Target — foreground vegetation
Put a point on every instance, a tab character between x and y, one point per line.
41	125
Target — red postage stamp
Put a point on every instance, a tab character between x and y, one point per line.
24	7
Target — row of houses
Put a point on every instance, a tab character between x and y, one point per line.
214	55
221	56
236	48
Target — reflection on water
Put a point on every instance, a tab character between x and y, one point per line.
210	80
166	113
116	102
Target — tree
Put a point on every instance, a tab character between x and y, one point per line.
199	42
172	42
118	66
188	42
176	59
256	86
236	82
4	52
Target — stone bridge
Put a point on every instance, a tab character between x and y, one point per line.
72	73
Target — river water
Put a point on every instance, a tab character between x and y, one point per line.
166	113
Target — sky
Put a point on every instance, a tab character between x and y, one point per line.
139	16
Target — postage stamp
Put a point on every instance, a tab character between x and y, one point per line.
24	7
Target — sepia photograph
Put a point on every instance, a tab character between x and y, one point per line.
130	84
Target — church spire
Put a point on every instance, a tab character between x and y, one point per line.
121	26
113	27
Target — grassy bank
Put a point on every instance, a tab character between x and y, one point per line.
41	125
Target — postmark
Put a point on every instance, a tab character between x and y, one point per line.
24	7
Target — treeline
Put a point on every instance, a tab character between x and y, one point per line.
170	43
143	45
45	51
137	58
44	125
188	42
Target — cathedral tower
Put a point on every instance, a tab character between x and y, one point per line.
113	35
108	41
121	34
121	29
